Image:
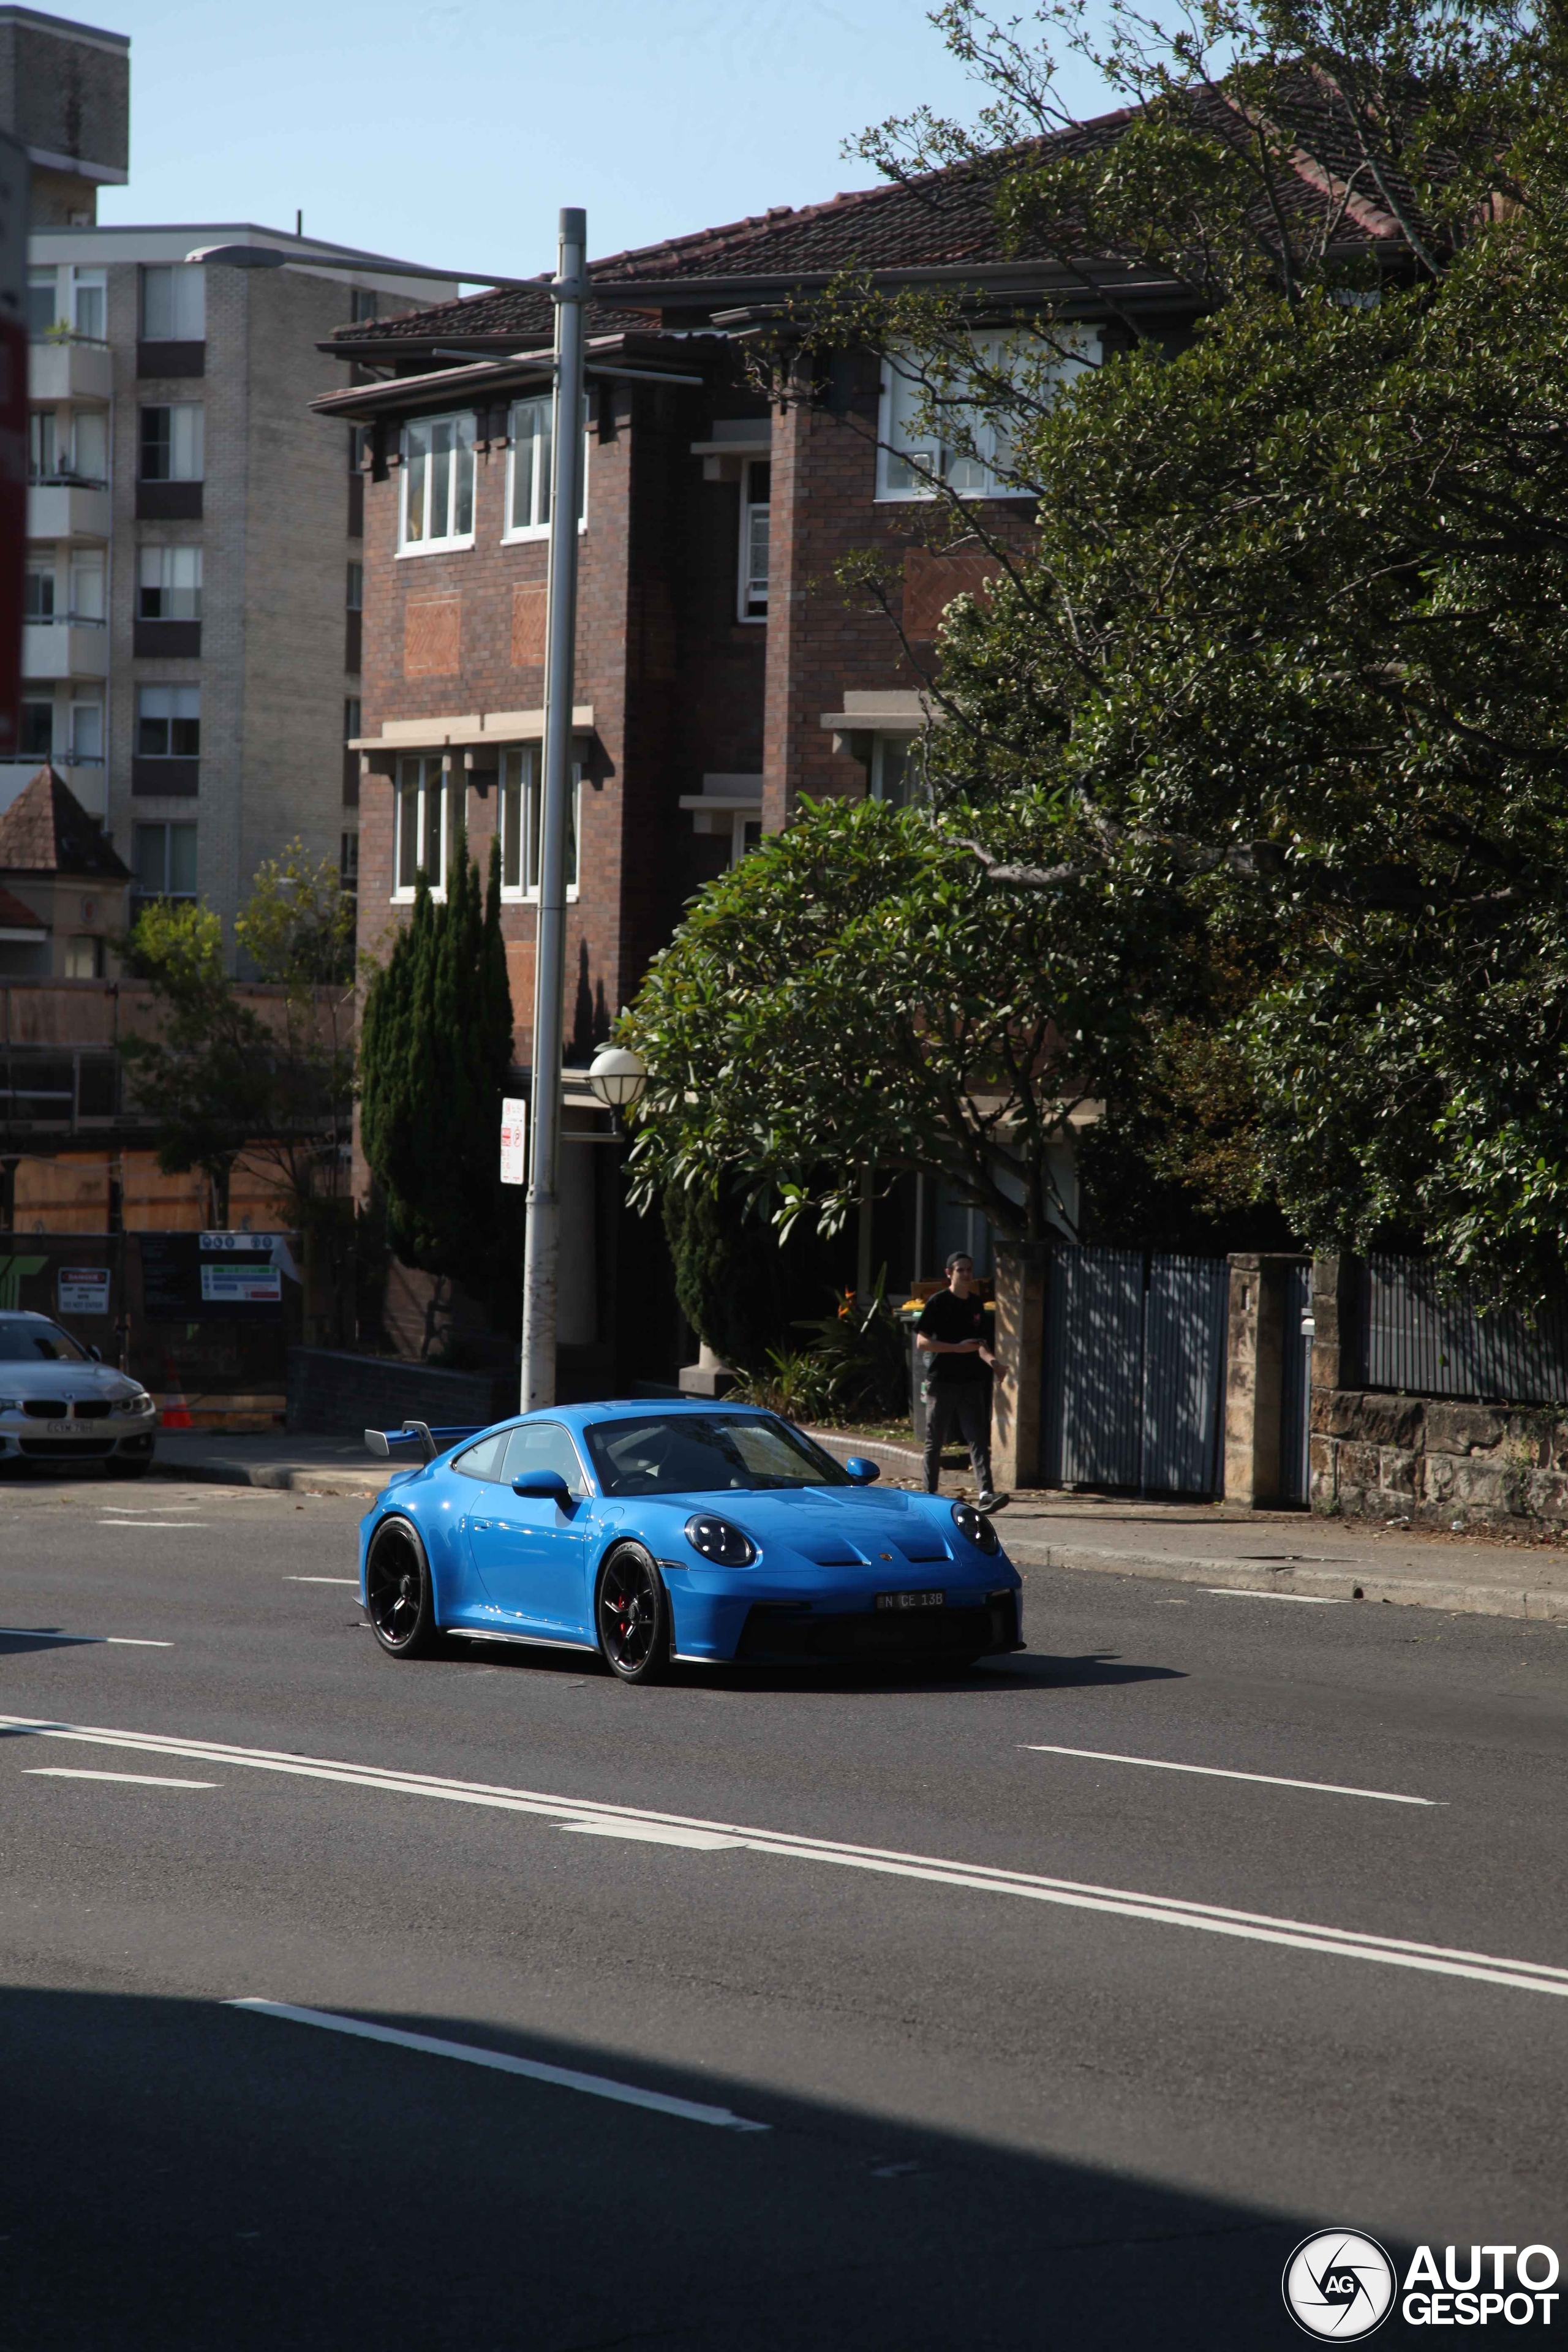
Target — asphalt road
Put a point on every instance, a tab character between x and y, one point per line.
1041	2058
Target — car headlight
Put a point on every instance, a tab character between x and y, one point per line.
976	1526
140	1402
716	1540
10	1404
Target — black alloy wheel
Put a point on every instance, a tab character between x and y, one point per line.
633	1616
398	1596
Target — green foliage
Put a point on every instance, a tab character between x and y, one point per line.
209	1070
436	1048
298	926
797	1383
863	1348
739	1283
854	992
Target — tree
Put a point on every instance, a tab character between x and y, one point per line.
268	1080
435	1047
1281	678
855	993
742	1292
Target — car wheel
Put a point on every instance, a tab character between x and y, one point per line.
631	1616
400	1599
117	1467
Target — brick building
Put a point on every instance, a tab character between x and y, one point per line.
720	675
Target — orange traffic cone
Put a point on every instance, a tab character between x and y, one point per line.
176	1411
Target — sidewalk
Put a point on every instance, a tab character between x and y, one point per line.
1189	1543
1262	1551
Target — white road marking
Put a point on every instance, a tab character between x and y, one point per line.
138	1779
152	1523
1119	1902
564	2078
655	1834
1242	1592
323	1579
114	1640
1217	1772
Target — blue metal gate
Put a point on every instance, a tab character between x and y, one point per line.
1136	1371
1296	1385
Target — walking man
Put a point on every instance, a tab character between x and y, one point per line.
951	1330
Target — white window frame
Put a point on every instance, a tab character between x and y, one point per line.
197	435
520	793
96	470
750	508
43	567
897	453
168	552
90	281
910	792
534	413
462	421
421	774
168	827
87	564
188	276
179	691
86	705
743	821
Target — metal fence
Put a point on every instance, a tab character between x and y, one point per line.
1431	1342
1135	1370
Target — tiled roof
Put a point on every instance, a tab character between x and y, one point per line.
46	830
14	916
526	317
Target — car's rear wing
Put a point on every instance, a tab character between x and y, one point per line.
395	1444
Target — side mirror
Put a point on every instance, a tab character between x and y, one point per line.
862	1472
95	1353
544	1486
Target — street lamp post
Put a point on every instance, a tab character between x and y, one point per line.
542	1242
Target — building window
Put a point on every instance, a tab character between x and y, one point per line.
898	774
174	303
528	469
169	584
37	728
87	578
364	304
920	415
90	304
87	735
348	864
520	813
755	478
38	589
89	447
43	303
163	857
438	507
355	598
84	957
354	725
428	809
41	451
168	722
171	443
748	832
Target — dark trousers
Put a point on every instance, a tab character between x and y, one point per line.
965	1406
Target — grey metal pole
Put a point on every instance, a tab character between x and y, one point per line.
542	1247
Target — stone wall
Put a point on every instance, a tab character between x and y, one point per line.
1439	1460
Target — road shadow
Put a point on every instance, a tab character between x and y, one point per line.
18	1642
181	2175
1024	1670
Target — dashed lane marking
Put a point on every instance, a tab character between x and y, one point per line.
136	1780
1219	1772
88	1641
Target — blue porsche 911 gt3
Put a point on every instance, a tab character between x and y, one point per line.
707	1533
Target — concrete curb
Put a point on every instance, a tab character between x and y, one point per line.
1351	1582
288	1478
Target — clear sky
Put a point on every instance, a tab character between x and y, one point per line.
450	131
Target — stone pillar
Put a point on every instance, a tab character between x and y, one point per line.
1254	1368
1018	1396
1336	1368
710	1376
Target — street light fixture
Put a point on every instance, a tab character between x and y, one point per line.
618	1076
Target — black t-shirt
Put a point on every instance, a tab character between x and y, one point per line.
947	1317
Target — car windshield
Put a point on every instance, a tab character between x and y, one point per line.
32	1343
705	1453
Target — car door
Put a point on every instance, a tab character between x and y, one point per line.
528	1551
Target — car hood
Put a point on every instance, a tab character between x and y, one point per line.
66	1381
832	1526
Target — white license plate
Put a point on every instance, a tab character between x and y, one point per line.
912	1600
59	1429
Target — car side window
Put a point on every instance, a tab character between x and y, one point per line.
543	1446
483	1460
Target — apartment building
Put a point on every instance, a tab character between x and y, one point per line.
190	649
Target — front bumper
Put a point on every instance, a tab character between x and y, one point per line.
720	1620
115	1436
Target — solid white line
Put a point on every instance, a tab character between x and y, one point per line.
153	1523
1164	1910
565	2078
323	1579
655	1833
1217	1772
1245	1593
139	1780
115	1641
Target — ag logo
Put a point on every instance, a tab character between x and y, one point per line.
1339	2284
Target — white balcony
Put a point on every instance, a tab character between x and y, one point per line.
67	511
65	648
88	780
72	369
